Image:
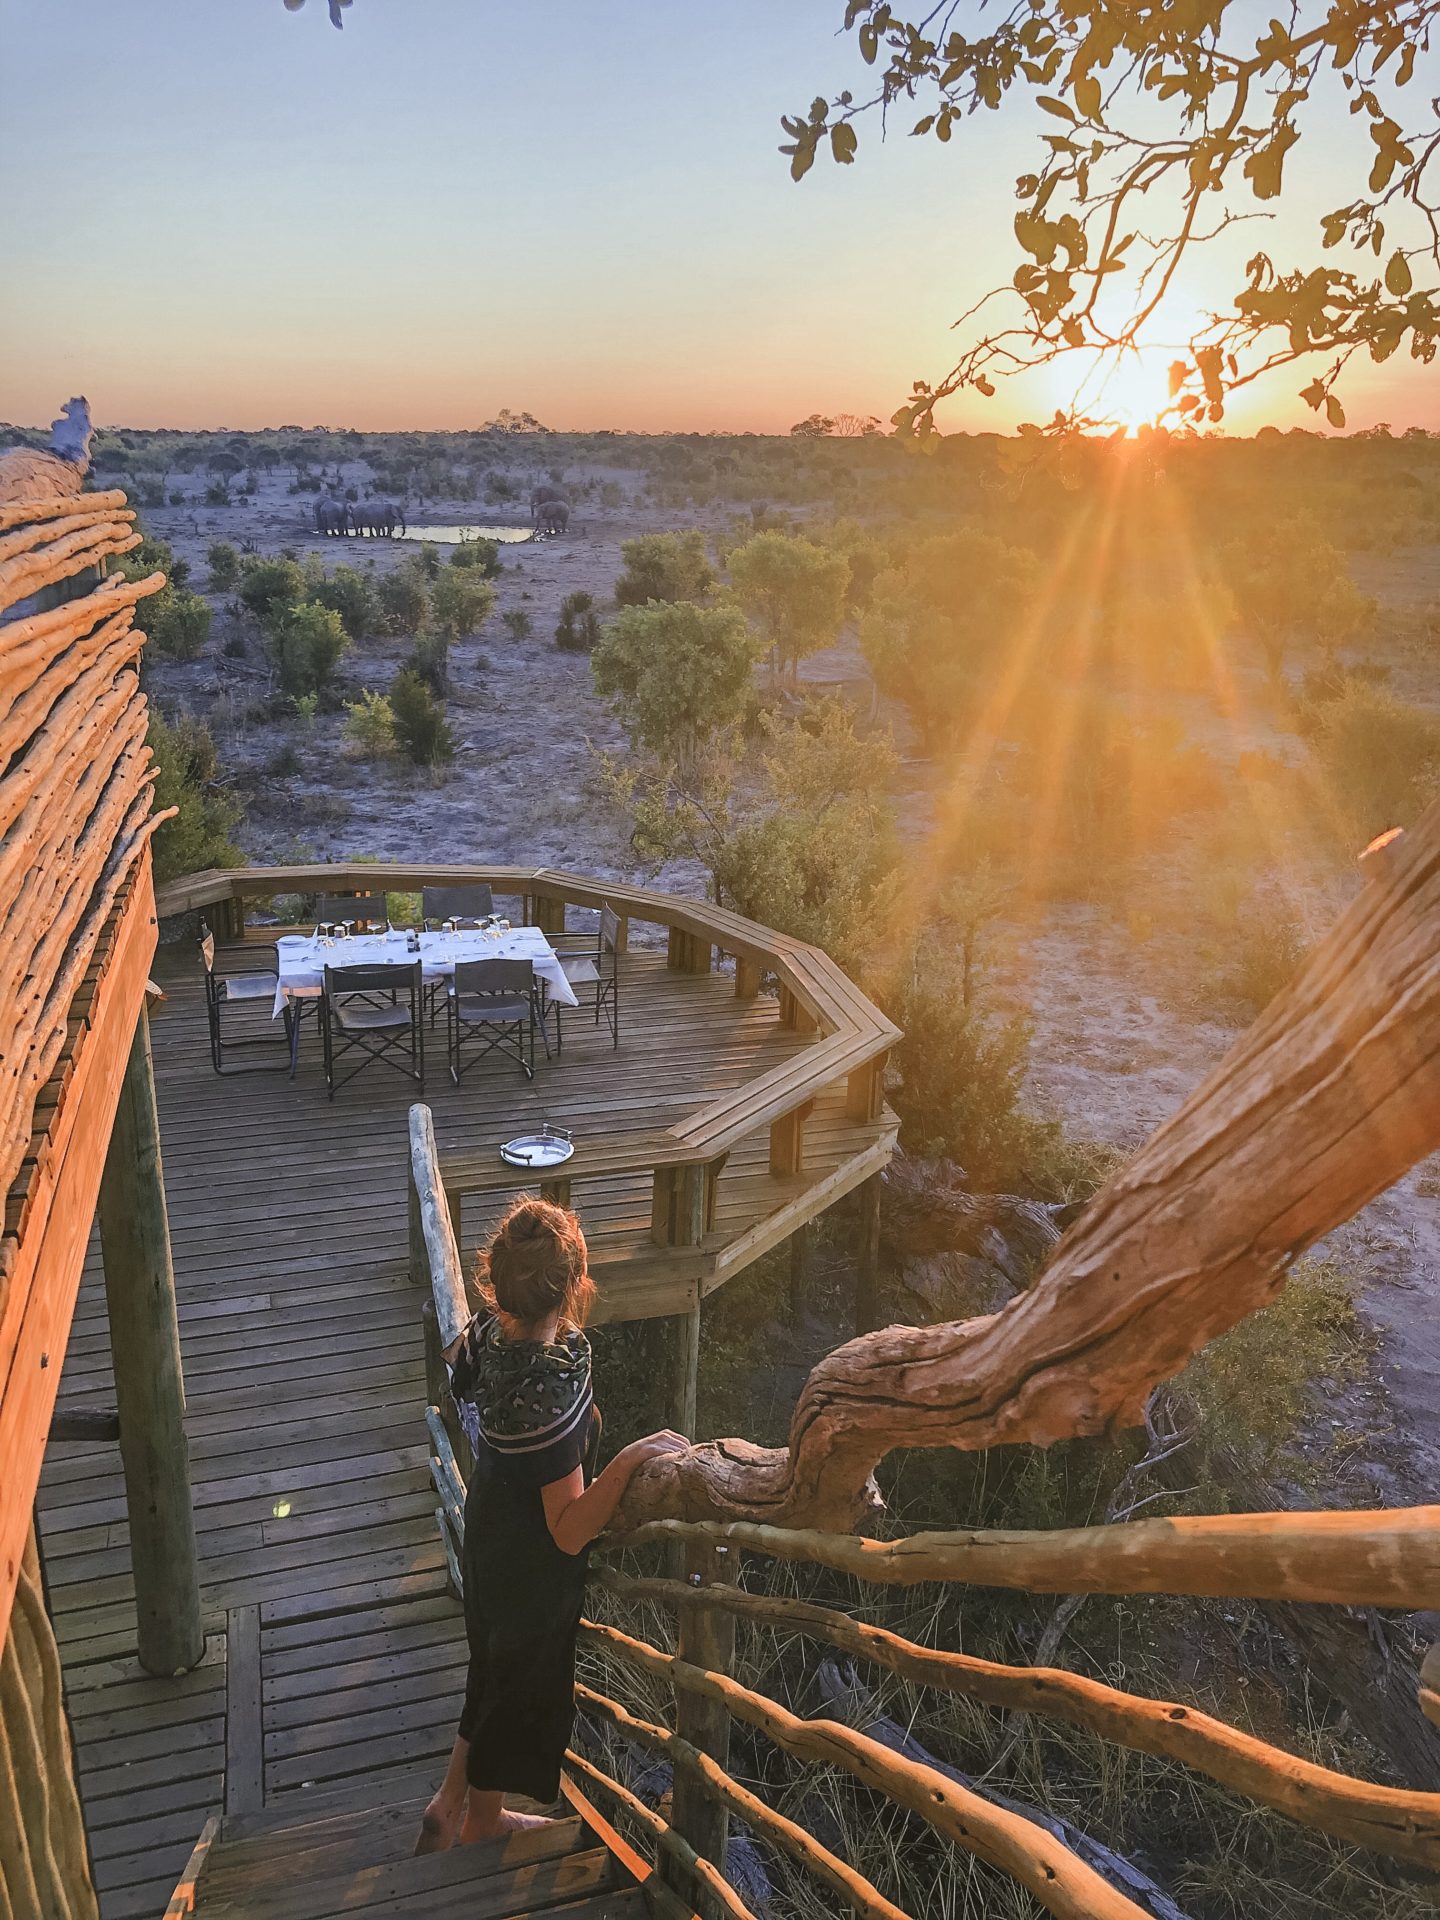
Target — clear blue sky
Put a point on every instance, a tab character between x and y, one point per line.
219	213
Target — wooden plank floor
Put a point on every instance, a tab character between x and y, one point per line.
323	1573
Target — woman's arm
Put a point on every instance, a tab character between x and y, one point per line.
575	1513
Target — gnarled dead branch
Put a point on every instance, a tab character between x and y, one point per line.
1330	1097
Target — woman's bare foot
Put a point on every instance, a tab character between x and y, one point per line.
506	1821
440	1823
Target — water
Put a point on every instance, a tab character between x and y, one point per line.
452	536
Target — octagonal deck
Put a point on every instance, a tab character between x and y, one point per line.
321	1563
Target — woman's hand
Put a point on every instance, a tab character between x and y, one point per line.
654	1446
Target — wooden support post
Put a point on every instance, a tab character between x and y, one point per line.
149	1380
787	1139
688	953
548	913
799	1269
748	975
684	1371
556	1191
865	1090
244	1741
867	1251
230	915
706	1638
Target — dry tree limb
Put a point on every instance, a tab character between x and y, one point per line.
1062	1884
25	538
1389	1820
31	572
60	506
39	637
1330	1097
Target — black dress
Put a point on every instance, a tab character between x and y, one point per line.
523	1594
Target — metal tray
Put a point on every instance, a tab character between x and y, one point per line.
547	1148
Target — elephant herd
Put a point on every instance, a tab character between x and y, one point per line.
372	516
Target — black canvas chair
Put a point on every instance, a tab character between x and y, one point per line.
466	905
366	911
495	1003
374	1011
593	970
253	986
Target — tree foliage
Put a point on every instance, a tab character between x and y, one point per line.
793	591
1161	120
268	585
942	622
187	769
461	601
663	566
420	725
1286	582
675	673
307	642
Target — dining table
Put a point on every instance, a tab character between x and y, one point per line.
301	960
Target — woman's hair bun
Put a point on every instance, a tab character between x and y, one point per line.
537	1263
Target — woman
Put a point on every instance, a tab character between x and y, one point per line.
524	1363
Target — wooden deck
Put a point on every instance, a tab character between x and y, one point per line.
336	1656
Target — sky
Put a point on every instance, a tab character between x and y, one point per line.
217	213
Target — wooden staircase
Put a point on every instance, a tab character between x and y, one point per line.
281	1865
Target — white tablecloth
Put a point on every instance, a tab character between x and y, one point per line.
303	959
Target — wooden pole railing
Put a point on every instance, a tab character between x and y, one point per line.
785	1835
1368	1558
1392	1820
1062	1883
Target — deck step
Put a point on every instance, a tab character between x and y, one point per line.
356	1864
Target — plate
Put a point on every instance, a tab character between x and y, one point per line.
547	1148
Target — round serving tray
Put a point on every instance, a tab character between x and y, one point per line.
547	1148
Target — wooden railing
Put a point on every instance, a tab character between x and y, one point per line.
1384	1559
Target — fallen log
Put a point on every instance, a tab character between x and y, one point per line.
1330	1097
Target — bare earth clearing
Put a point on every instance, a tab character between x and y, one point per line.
1124	1024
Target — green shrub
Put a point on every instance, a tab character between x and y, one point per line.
1264	954
675	673
420	726
177	624
1381	756
578	630
961	1071
188	777
431	660
224	564
266	586
460	602
307	642
349	593
517	623
480	556
155	556
370	726
403	601
663	566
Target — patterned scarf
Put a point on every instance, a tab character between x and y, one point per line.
528	1395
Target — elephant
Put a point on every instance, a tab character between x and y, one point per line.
552	516
377	517
331	516
543	495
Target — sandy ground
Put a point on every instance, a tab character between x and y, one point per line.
1114	1052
